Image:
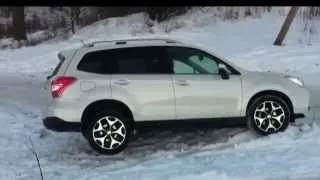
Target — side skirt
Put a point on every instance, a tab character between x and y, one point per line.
183	124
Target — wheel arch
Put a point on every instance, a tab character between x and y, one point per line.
105	104
271	92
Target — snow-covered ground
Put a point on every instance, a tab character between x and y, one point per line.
228	153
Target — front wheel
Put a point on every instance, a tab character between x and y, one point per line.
109	132
268	114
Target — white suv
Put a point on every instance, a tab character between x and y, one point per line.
105	89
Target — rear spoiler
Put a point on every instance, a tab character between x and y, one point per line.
61	56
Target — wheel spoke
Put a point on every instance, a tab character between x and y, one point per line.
274	108
260	120
113	141
112	120
262	108
119	131
99	128
268	107
101	140
270	126
278	118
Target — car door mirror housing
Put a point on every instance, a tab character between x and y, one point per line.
223	71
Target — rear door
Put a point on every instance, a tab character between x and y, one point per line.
141	77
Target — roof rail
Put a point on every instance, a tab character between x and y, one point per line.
124	41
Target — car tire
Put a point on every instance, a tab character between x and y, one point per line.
109	132
268	114
84	131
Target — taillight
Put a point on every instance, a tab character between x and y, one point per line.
60	83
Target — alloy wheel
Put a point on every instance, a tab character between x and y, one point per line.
269	116
109	132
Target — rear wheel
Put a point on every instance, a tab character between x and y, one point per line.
84	131
268	114
108	132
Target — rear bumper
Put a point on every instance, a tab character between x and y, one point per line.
59	125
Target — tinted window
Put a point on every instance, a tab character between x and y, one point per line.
96	62
134	60
141	60
131	65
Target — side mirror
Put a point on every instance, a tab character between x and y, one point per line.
223	71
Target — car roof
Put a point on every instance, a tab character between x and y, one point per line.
132	41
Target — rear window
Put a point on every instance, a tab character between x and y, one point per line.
133	60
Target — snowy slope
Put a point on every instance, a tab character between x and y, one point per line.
204	154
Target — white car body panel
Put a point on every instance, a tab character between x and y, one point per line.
207	96
255	82
151	97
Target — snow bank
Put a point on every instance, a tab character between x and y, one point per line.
33	39
110	28
38	37
5	42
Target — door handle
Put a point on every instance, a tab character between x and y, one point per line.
122	82
182	83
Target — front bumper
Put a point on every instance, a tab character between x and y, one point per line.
300	115
59	125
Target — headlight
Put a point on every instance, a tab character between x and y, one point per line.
296	80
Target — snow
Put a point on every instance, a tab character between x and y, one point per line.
227	153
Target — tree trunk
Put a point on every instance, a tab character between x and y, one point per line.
269	8
286	25
18	22
72	24
77	15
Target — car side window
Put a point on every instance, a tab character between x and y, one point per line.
140	60
96	62
131	60
191	61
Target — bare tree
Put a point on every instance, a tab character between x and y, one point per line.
18	22
73	15
159	13
286	25
5	11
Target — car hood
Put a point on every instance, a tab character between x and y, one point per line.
268	73
272	73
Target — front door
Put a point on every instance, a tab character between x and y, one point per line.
200	92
